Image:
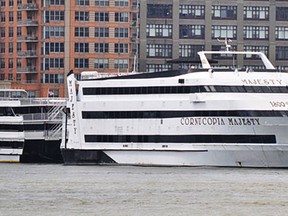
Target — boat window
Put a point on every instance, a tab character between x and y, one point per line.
207	89
248	88
227	88
266	89
284	89
257	89
234	88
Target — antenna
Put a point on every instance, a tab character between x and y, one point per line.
226	41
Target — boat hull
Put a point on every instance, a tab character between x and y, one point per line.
41	151
274	156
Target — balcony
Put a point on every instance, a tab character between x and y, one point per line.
27	54
134	8
27	22
31	69
29	6
28	38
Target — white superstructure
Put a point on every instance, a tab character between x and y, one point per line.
30	128
196	117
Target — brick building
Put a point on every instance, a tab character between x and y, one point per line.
40	41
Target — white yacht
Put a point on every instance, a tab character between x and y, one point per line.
197	117
30	128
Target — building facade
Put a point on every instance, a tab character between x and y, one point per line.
40	41
174	29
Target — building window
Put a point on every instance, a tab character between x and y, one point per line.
224	31
121	17
159	50
53	31
11	32
19	46
192	31
10	47
81	47
81	63
11	3
54	47
19	15
158	67
56	63
263	49
256	32
2	48
10	76
256	13
52	78
101	47
122	3
187	50
224	12
101	32
222	55
191	11
282	13
19	31
11	17
121	63
57	2
120	48
102	16
101	63
2	63
10	63
19	62
102	3
2	29
81	31
82	2
281	33
18	77
3	3
3	17
281	52
81	16
54	16
159	11
121	32
53	93
159	30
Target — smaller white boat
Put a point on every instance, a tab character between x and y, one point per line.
30	128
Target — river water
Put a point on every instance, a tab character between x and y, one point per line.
33	189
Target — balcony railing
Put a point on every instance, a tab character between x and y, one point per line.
27	22
29	6
27	70
28	53
28	38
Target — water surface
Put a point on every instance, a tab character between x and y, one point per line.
33	189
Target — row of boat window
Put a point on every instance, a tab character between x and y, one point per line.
9	111
20	128
175	114
182	89
14	145
181	138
